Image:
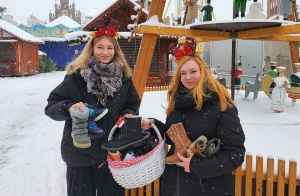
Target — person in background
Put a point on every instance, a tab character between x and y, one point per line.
101	77
208	9
279	91
76	54
198	105
237	76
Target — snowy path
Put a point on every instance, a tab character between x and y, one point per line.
30	161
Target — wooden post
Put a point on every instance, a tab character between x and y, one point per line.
259	176
294	49
248	177
270	177
147	46
280	176
292	178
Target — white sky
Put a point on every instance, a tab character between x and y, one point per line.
30	158
21	9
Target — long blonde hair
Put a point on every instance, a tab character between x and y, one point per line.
81	61
206	81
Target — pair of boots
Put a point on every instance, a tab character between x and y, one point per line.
200	146
131	134
204	147
84	125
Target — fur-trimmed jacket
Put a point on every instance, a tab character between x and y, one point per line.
73	89
208	175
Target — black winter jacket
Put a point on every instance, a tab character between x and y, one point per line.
73	89
208	175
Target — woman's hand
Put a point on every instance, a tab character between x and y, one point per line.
146	124
78	106
127	115
185	162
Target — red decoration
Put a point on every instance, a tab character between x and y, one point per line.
110	31
186	51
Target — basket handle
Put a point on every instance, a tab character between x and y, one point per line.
143	119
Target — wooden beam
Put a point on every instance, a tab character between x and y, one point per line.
147	46
272	31
285	38
183	31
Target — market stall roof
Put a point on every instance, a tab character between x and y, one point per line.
15	32
239	28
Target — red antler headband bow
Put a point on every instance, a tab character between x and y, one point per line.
188	49
102	31
110	31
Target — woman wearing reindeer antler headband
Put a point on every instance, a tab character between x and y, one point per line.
96	91
203	129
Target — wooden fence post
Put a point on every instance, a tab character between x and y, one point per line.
259	176
280	177
270	176
248	177
292	178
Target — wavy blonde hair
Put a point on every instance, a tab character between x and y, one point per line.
81	62
206	81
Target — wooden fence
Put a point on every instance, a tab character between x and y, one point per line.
254	180
165	88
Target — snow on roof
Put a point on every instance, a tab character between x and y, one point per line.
15	31
64	20
104	8
245	20
78	34
92	12
42	53
53	39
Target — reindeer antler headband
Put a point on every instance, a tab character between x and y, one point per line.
188	48
111	30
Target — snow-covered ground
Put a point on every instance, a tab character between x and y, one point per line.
30	160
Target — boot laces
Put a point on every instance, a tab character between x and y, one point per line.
177	133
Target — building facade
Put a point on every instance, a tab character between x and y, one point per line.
65	9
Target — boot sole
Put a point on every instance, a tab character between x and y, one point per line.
78	145
96	136
81	145
147	134
101	115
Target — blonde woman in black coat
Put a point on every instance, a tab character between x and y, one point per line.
204	107
100	76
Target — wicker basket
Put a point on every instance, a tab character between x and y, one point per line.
142	170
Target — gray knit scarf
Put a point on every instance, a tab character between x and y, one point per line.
102	80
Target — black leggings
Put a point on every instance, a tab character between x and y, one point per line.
91	181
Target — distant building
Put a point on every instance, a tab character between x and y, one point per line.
65	9
33	21
9	18
90	15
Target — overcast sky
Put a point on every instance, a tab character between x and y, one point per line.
22	9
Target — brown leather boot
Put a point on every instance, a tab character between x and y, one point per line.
179	137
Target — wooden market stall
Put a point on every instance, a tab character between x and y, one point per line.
265	30
19	51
